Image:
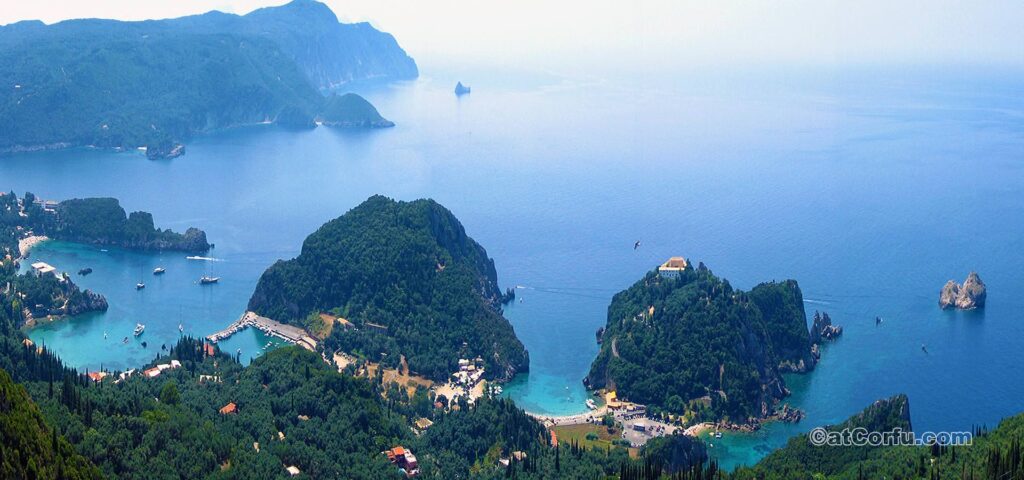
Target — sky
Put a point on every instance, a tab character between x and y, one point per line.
650	32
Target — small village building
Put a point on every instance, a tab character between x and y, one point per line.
404	460
423	424
151	373
209	350
673	267
97	376
229	409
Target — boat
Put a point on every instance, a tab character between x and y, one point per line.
139	328
590	404
85	271
158	270
718	434
206	280
181	328
140	286
125	340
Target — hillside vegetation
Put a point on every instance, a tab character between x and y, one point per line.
694	344
409	278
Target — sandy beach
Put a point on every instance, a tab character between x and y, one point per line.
698	429
26	244
577	419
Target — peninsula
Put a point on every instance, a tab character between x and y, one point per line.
408	282
684	341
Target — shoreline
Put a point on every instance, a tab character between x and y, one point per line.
25	244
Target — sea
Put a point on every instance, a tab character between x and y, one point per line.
871	186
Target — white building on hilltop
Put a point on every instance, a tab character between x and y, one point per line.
673	267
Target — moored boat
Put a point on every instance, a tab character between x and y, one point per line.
139	328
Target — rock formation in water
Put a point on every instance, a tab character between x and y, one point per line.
822	328
968	296
461	89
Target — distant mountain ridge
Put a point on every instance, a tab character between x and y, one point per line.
123	85
328	52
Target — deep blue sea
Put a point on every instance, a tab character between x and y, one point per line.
870	187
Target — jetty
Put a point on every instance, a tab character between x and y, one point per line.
288	333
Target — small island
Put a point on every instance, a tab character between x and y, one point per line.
461	89
969	296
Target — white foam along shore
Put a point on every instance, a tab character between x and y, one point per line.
26	244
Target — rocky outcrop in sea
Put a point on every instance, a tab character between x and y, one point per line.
968	296
823	330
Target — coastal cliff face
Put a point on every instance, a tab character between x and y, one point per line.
410	280
970	295
155	84
670	341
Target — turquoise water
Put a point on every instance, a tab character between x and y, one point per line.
871	188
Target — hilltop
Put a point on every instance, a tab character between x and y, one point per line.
411	282
685	341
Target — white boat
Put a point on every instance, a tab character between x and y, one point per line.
206	280
718	434
158	270
591	405
140	286
139	328
181	328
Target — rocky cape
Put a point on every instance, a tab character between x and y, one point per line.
968	296
694	342
102	221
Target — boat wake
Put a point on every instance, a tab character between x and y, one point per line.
205	259
817	302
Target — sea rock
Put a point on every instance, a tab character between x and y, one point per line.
948	295
968	296
461	89
164	150
823	329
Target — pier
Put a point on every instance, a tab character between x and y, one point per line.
288	333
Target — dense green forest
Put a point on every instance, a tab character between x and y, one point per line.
694	344
409	278
28	447
96	221
151	84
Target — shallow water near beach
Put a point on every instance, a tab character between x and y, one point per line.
867	188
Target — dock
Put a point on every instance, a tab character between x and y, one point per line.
288	333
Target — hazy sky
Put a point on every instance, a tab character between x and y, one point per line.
669	32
